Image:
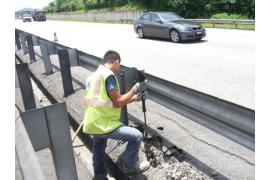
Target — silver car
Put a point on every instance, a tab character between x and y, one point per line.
27	17
167	25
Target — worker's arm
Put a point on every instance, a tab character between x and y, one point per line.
121	100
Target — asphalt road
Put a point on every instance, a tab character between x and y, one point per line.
221	65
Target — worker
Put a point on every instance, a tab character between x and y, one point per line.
103	103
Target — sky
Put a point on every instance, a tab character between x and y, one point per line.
35	4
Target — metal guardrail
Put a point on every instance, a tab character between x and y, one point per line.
210	21
230	120
224	21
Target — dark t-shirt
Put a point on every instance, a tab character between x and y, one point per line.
110	84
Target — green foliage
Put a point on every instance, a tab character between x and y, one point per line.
185	8
228	16
205	8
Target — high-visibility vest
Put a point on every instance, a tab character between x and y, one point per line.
100	117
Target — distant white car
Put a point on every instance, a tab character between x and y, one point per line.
27	17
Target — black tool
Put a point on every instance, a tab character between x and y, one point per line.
141	78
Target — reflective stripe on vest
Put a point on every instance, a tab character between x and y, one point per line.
96	102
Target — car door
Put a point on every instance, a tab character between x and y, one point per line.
146	24
158	28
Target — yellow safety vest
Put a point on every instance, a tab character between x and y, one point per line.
100	117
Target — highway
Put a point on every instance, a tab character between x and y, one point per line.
221	65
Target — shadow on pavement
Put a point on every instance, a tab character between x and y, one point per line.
169	41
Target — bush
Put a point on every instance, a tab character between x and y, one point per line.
228	16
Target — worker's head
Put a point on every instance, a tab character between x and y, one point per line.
112	60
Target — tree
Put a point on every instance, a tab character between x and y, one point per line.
58	5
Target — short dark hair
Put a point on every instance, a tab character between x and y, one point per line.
111	56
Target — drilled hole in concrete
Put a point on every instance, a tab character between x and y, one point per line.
168	159
157	152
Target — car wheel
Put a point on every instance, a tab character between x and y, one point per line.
175	36
140	32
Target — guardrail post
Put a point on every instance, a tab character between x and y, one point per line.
58	124
124	115
128	77
27	158
17	40
51	48
30	48
65	72
24	46
48	127
23	75
35	40
46	58
73	56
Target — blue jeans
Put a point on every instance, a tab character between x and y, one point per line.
129	157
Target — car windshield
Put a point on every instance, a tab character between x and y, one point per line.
40	13
170	17
26	15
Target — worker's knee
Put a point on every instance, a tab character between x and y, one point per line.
139	136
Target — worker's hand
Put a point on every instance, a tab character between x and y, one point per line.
139	87
141	95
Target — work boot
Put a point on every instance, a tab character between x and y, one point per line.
139	168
